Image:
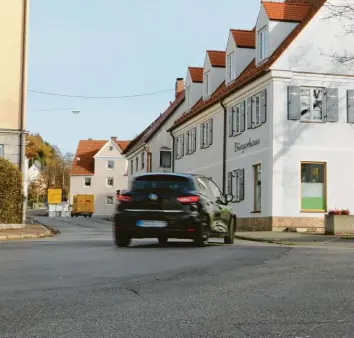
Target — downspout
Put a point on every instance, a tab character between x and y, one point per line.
23	84
224	148
173	153
23	88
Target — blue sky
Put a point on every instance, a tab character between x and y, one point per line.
116	47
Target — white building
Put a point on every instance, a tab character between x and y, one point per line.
280	131
99	169
151	150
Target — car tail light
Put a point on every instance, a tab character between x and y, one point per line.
124	198
188	199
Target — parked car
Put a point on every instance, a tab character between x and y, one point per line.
169	205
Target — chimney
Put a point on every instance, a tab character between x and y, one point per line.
114	139
179	86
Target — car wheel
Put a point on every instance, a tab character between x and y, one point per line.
90	215
163	240
122	240
230	237
202	236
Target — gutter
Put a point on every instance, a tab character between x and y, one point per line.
224	148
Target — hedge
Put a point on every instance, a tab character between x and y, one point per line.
11	193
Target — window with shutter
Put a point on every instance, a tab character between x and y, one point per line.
350	106
249	113
231	121
331	106
210	136
229	183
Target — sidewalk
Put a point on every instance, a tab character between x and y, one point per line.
29	231
294	238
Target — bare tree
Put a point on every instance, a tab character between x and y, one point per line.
344	12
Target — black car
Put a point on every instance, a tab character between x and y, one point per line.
163	206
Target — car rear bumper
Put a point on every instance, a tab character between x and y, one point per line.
179	225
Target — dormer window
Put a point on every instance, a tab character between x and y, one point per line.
188	94
262	43
207	88
230	66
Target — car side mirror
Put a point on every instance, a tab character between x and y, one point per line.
229	198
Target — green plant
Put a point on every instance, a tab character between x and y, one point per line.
339	212
11	193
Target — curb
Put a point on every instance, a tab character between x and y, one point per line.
269	241
49	232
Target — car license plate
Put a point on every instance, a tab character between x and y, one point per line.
151	224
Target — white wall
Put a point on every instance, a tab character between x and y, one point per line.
258	154
262	21
278	31
244	56
137	153
196	91
163	139
296	141
310	51
217	76
230	48
207	161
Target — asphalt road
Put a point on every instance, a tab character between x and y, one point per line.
77	284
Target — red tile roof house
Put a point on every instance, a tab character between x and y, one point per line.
276	130
151	150
99	168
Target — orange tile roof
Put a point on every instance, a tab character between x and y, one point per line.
252	72
147	133
244	38
217	58
290	12
196	74
84	163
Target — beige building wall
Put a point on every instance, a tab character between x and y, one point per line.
13	59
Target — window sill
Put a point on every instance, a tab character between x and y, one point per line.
313	211
256	212
312	121
254	126
165	167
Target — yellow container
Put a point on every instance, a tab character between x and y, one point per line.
83	205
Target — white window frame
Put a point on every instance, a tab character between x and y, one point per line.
230	66
108	162
263	40
206	128
312	89
207	83
2	150
236	188
107	197
191	141
180	146
107	180
257	113
142	160
85	185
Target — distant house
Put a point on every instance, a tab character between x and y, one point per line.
34	171
99	168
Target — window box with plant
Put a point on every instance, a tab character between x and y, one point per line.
339	222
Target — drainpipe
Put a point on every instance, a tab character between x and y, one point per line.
224	148
173	153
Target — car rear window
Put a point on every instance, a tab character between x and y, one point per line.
162	182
